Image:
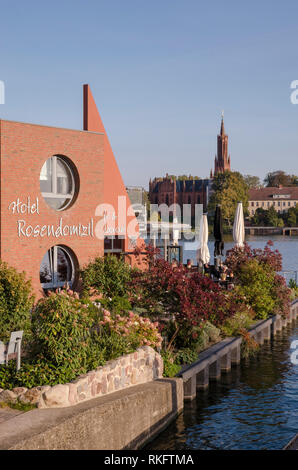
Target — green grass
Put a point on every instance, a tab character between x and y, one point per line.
17	406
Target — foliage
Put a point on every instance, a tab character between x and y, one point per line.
116	305
249	346
171	368
238	322
236	257
253	182
183	301
267	218
186	356
72	336
16	301
108	276
18	406
255	283
137	330
61	325
257	279
280	178
294	289
228	189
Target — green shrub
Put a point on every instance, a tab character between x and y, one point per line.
294	289
61	325
171	368
16	301
241	320
71	337
256	285
186	356
39	371
108	276
116	305
107	345
138	331
199	339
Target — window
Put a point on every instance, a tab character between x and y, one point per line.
58	182
57	268
113	245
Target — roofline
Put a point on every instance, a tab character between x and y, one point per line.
51	127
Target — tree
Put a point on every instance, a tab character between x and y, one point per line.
260	217
228	189
291	217
278	178
253	182
272	217
294	180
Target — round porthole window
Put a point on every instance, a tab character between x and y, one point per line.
58	268
59	182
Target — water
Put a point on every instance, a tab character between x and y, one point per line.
288	247
255	406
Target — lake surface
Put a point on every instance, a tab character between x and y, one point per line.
255	406
288	247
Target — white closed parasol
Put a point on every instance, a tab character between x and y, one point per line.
238	227
203	254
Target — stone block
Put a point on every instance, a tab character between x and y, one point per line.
57	396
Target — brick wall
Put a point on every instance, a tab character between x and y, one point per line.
23	150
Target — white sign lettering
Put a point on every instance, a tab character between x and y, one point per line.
60	230
19	207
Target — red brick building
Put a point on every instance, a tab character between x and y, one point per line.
169	190
54	183
222	161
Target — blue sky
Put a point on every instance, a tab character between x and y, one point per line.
161	72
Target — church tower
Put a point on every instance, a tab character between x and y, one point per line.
222	160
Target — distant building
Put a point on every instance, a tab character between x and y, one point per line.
137	198
282	199
222	161
169	190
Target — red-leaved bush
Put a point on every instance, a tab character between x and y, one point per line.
188	299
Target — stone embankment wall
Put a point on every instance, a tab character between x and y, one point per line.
140	367
126	419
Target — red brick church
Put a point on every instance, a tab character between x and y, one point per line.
222	161
171	190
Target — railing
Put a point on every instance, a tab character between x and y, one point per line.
288	275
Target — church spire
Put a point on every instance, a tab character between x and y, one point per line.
222	159
222	127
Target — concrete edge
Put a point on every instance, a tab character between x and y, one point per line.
129	419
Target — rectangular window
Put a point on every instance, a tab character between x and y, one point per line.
113	244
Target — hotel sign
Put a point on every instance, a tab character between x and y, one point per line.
52	230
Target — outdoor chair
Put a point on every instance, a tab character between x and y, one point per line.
12	348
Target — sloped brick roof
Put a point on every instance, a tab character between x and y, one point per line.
264	194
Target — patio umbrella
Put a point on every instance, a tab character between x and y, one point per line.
238	227
175	232
203	254
218	233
